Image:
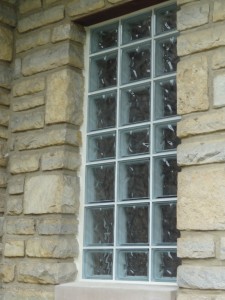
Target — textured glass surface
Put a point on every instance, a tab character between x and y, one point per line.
104	38
135	142
166	137
100	226
100	184
102	146
102	111
166	99
137	28
166	56
166	19
136	63
99	264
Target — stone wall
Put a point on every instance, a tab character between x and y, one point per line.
201	188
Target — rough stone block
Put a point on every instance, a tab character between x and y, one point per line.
14	205
222	248
63	98
51	194
220	297
218	58
191	296
8	15
68	31
19	226
55	56
40	19
46	273
4	134
22	121
27	102
57	225
28	86
4	97
4	117
16	185
52	247
27	5
6	42
192	95
17	67
218	10
196	199
5	76
22	163
7	272
192	15
1	225
14	248
76	8
219	90
2	199
3	178
16	293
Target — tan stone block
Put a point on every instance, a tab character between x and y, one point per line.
52	247
28	293
3	154
3	178
16	185
7	272
8	15
192	15
27	102
222	248
4	97
5	76
196	199
57	225
41	18
6	42
53	193
218	58
22	163
28	86
75	8
14	248
4	117
194	296
17	65
4	132
68	31
219	90
63	98
2	219
218	10
19	226
14	205
21	121
192	93
27	5
2	199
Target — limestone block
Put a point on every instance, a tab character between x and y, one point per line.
17	68
27	5
7	15
191	296
40	19
16	293
4	97
46	273
201	277
6	42
32	40
19	226
7	272
5	76
192	15
14	248
75	8
16	185
22	121
218	59
27	102
219	90
220	297
222	248
218	10
28	86
68	31
1	225
60	158
64	97
52	247
53	193
3	154
14	205
2	199
202	246
3	178
4	132
4	117
192	85
22	163
56	225
203	200
56	136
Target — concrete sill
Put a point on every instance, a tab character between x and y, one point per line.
113	291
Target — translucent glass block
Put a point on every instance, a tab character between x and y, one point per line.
133	265
103	72
166	56
165	263
164	224
104	38
100	183
166	19
135	141
165	98
102	111
137	28
98	264
135	105
134	180
165	177
166	137
133	224
136	63
101	146
99	224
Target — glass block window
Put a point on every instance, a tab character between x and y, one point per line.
131	168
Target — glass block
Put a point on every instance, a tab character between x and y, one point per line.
103	72
166	56
165	98
135	105
133	265
102	111
137	28
136	63
164	224
165	263
98	264
99	224
104	38
134	180
166	137
166	19
133	225
102	146
135	141
165	181
100	183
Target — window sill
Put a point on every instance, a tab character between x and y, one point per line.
112	291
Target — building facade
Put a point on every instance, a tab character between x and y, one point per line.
43	108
